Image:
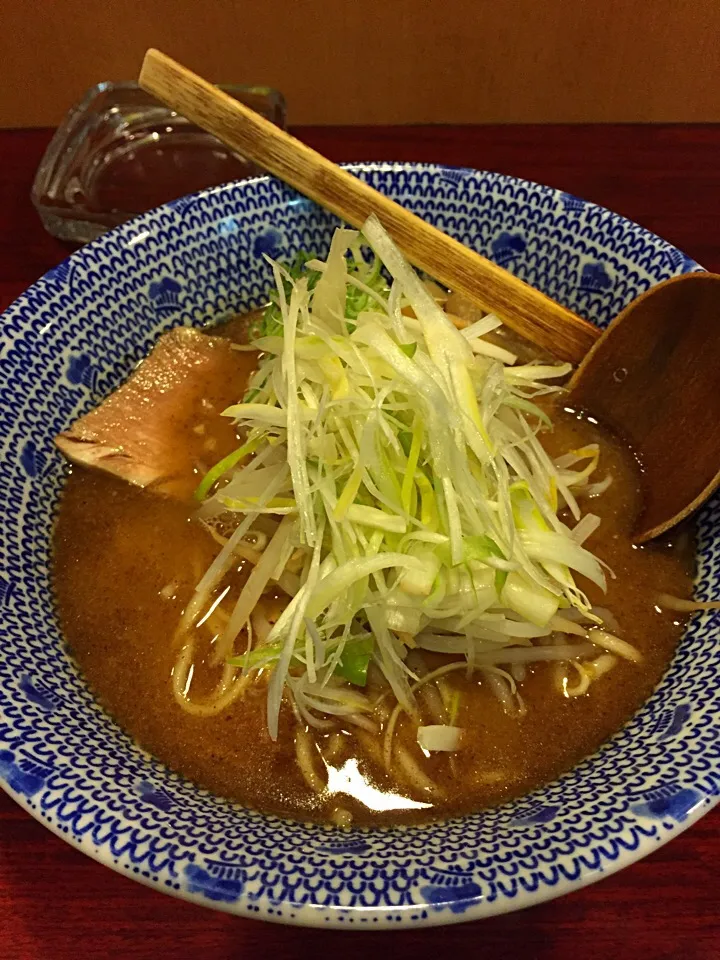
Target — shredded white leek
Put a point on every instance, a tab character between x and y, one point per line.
403	454
439	737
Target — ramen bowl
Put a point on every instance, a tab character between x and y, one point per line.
73	337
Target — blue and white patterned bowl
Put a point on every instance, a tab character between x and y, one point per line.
73	337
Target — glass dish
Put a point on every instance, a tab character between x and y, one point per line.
120	152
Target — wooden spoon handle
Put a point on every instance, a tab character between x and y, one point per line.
529	312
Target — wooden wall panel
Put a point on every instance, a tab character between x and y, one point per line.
383	61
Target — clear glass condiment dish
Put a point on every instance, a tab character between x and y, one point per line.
120	152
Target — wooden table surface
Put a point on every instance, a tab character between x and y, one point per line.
56	904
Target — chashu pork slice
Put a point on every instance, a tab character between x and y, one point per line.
162	429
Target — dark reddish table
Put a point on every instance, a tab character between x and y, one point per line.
56	904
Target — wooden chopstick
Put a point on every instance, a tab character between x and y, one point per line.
526	310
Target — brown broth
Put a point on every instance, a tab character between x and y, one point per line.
126	562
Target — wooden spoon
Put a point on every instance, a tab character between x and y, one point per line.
652	377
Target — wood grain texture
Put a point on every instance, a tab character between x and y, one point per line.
529	312
56	904
653	378
403	61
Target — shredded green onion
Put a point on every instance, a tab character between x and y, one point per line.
404	456
224	466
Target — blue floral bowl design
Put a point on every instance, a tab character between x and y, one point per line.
73	337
